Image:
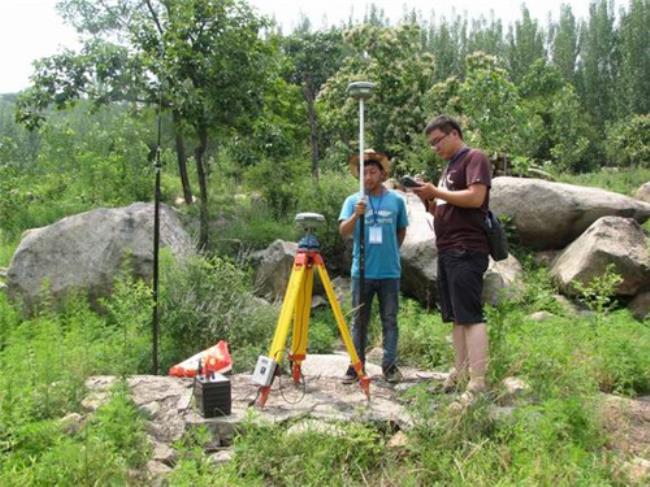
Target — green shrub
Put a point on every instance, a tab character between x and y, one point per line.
205	300
628	142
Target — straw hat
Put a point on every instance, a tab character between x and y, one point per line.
369	155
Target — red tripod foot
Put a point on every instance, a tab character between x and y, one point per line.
263	396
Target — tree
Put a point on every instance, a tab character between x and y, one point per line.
525	45
489	107
599	63
635	58
207	54
393	59
315	57
564	43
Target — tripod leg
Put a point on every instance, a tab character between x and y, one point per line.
300	333
287	311
284	320
364	381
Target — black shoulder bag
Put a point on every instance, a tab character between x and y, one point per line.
496	235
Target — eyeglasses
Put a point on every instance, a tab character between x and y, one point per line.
437	141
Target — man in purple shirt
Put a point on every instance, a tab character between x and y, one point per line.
459	204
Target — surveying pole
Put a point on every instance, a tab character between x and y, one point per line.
361	90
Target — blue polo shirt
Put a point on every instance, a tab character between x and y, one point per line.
387	211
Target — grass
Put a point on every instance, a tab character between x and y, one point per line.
620	180
555	438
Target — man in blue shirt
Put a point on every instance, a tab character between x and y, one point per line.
385	228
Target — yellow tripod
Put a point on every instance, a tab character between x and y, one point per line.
296	307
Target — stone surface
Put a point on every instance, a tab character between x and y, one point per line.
157	471
540	316
274	266
628	423
419	255
322	398
222	457
545	257
398	440
514	387
150	410
86	252
640	305
502	280
550	215
71	423
164	454
609	240
643	193
637	471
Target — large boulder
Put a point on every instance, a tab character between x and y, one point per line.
550	215
609	240
419	255
640	305
86	252
273	268
643	193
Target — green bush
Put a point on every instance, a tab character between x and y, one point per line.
628	142
205	300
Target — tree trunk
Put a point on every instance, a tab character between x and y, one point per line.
182	159
199	152
313	127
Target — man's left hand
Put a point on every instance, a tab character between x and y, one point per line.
426	192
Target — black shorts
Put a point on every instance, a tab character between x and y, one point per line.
460	284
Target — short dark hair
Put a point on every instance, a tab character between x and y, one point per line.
444	124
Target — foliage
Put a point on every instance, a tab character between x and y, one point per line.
393	59
628	142
203	301
598	294
488	106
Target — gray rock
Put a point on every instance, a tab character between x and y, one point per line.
164	454
3	272
637	471
540	316
71	423
643	193
150	410
222	457
566	305
419	254
514	387
274	268
550	215
397	441
640	305
157	472
502	280
323	398
86	252
545	257
609	240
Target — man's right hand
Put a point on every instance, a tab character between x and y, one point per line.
360	208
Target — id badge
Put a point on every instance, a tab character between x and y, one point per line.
375	235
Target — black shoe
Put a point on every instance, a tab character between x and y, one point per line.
350	376
392	375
